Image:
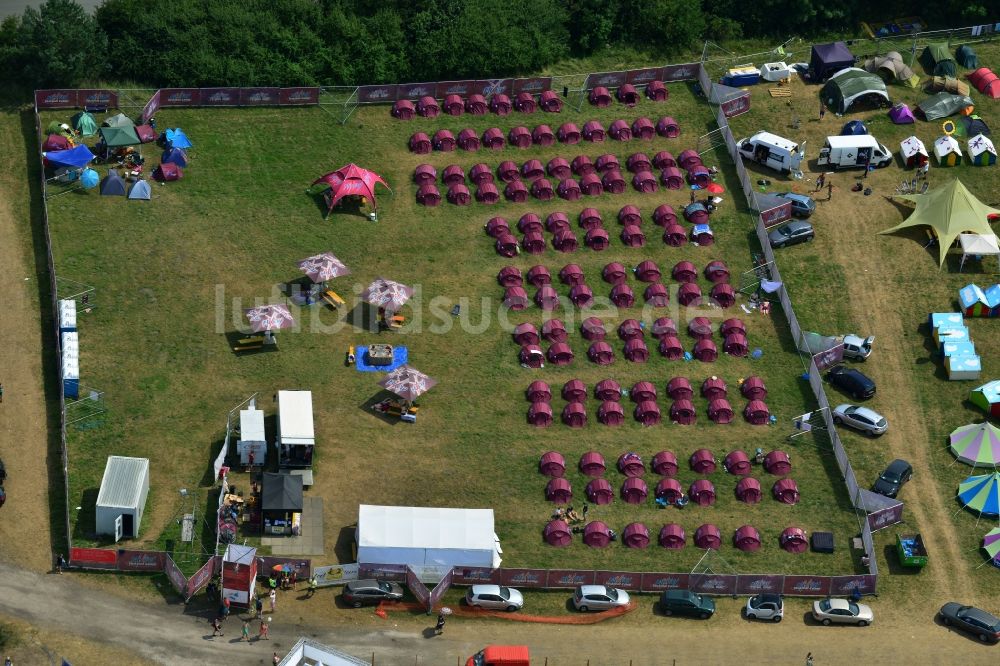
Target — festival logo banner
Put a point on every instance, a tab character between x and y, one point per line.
174	574
107	99
568	578
491	87
846	585
201	577
623	579
55	99
640	77
220	96
806	586
298	96
534	85
657	582
336	574
415	90
377	94
141	560
713	584
476	576
759	583
259	96
523	577
461	88
606	79
392	572
180	97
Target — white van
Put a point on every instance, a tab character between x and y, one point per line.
855	151
772	151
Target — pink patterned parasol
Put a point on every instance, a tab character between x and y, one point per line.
408	383
387	294
323	267
269	318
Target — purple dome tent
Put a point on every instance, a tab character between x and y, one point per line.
793	539
614	273
532	169
608	390
732	326
647	271
592	464
559	490
506	244
786	491
574	415
600	97
672	536
708	536
643	128
719	411
664	216
645	182
630	464
635	535
682	412
593	131
500	104
669	490
476	105
453	105
525	103
657	295
487	193
699	175
581	295
557	533
630	329
714	388
737	463
684	271
569	134
671	178
532	242
622	296
664	159
747	539
553	330
627	94
564	241
453	175
679	388
559	353
547	298
643	391
632	236
900	114
539	391
404	109
549	101
601	353
700	328
468	140
753	388
480	173
668	128
574	391
420	143
702	461
736	345
592	329
444	141
702	492
531	356
637	162
428	107
723	295
493	139
620	131
590	184
670	348
424	174
599	492
756	413
556	222
596	534
428	195
717	271
515	298
543	136
664	327
705	351
516	192
571	274
647	413
674	235
540	414
689	293
665	463
519	137
696	213
613	182
629	215
656	91
582	165
688	158
539	275
611	413
634	490
597	239
508	171
569	190
748	490
777	463
526	334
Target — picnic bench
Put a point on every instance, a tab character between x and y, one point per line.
249	343
333	299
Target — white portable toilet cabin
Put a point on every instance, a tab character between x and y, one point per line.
251	436
122	498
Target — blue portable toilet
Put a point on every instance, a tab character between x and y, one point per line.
854	128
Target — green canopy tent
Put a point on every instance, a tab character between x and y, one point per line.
117	137
853	85
967	57
943	104
85	124
120	120
949	210
937	61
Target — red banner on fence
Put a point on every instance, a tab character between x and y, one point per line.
93	558
415	90
151	107
141	560
623	579
417	588
657	582
393	572
606	79
806	586
377	94
177	578
533	85
220	96
201	577
523	577
759	583
461	88
736	106
846	585
259	96
98	98
441	588
686	72
640	77
64	98
298	96
713	583
568	578
495	87
180	97
475	576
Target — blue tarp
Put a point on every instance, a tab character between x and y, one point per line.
399	357
74	157
177	138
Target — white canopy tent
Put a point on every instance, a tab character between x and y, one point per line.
427	536
251	436
978	245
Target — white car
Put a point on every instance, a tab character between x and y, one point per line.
842	611
860	418
765	607
496	597
599	598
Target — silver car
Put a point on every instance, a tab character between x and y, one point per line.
496	597
860	418
599	598
842	611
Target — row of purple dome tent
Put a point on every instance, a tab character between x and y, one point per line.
678	388
597	534
493	138
581	296
668	491
664	463
613	273
524	102
647	412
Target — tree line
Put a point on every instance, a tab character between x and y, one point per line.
158	43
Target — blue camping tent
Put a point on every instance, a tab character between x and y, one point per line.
112	185
854	127
177	139
74	157
174	156
140	191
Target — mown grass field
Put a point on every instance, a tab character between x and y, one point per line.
173	274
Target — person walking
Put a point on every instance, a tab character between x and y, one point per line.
262	633
258	605
217	627
829	191
275	660
809	659
820	181
822	110
273	596
60	563
313	584
246	631
439	627
586	508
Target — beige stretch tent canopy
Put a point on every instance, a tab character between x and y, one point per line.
950	211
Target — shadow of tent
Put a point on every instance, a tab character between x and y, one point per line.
364	317
86	517
344	548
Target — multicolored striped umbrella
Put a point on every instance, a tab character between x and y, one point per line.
269	318
977	444
991	544
981	493
323	267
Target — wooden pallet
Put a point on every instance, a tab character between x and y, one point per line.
780	92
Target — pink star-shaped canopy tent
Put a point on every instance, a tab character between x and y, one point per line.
351	180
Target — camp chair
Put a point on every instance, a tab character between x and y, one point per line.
923	188
932	237
392	322
333	299
249	343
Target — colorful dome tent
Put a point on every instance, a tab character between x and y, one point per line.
574	391
679	388
634	490
529	223
947	151
688	159
793	540
606	163
900	114
559	353
777	463
571	274
557	221
627	94
717	271
613	182
826	59
593	131
516	192
519	137
699	175
581	295
736	344
854	86
590	184
664	216
702	462
747	539
444	141
705	351
892	69
55	142
674	235
427	107
786	491
647	271
350	180
601	353
179	157
657	295
558	168
508	171
647	412
543	136
629	215
476	105
982	151
459	195
622	296
670	348
644	182
702	492
480	174
539	275
611	413
565	241
428	195
665	463
592	329
507	245
532	169
700	328
756	413
732	327
526	334
664	159
582	165
737	463
672	536
632	236
664	327
453	105
600	97
656	91
574	415
468	140
424	174
630	329
540	413
515	298
559	490
113	185
643	128
682	413
642	391
84	123
599	492
719	411
140	191
493	139
547	298
637	162
525	103
944	104
668	128
696	213
937	60
500	104
608	390
596	534
753	388
592	464
620	131
913	152
635	535
748	490
550	102
539	391
669	490
986	82
966	56
672	178
557	533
